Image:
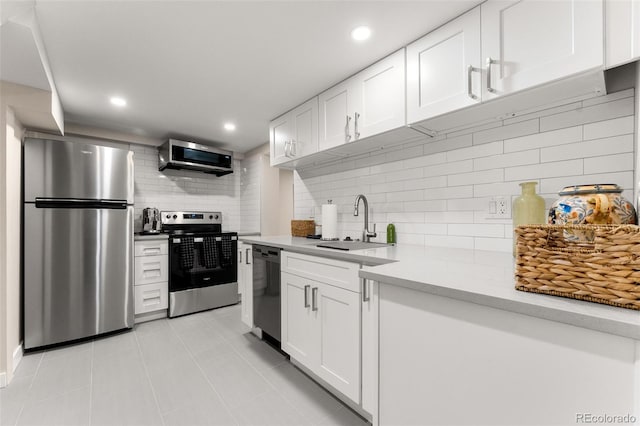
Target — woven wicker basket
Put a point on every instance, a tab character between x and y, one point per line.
302	228
606	270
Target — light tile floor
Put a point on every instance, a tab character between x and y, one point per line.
201	369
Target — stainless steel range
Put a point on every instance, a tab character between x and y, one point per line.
202	262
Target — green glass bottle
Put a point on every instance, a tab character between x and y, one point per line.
391	233
528	208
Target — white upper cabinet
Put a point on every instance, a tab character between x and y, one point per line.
444	69
367	104
622	38
530	42
294	134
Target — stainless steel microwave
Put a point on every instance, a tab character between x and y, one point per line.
176	154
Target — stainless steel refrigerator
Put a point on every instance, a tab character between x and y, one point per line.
77	241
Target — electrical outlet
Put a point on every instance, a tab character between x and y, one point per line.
499	208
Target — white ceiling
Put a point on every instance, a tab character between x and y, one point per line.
186	67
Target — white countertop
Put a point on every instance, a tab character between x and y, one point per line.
476	276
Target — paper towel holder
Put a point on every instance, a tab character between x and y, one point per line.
324	238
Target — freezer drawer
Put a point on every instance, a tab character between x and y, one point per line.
78	273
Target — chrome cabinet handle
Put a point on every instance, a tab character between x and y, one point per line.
314	299
294	148
365	292
246	257
355	125
287	148
489	63
240	256
306	296
346	129
470	70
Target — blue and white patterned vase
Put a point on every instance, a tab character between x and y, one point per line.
591	204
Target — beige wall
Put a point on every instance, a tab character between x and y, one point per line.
276	199
10	201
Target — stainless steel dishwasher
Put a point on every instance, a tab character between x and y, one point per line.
266	292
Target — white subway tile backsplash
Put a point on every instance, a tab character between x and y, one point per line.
485	176
506	132
426	160
599	112
540	140
448	192
520	158
425	206
607	128
476	151
559	168
438	193
449	168
609	163
593	148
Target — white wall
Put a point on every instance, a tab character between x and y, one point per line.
250	184
10	225
437	191
180	190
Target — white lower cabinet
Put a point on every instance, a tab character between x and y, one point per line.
321	321
245	282
151	297
151	284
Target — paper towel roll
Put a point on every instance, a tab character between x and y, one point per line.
329	221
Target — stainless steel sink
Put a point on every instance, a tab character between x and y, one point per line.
351	245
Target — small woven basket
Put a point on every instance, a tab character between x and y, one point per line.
603	267
302	228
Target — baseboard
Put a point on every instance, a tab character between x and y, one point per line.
3	380
17	356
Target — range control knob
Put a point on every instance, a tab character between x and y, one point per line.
210	216
168	216
217	217
175	216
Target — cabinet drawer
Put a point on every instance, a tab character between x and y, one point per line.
334	272
151	297
151	269
151	248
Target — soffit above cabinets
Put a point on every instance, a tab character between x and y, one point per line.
186	68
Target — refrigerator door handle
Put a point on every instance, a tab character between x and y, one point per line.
75	203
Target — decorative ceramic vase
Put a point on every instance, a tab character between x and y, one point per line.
592	204
528	208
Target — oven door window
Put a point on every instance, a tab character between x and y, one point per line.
202	262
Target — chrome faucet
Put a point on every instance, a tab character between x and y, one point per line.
366	234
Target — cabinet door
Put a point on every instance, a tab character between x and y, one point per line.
379	97
245	283
299	335
622	28
336	116
304	120
279	137
444	69
531	42
339	337
370	347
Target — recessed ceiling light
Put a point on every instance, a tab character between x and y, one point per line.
117	101
361	33
229	127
